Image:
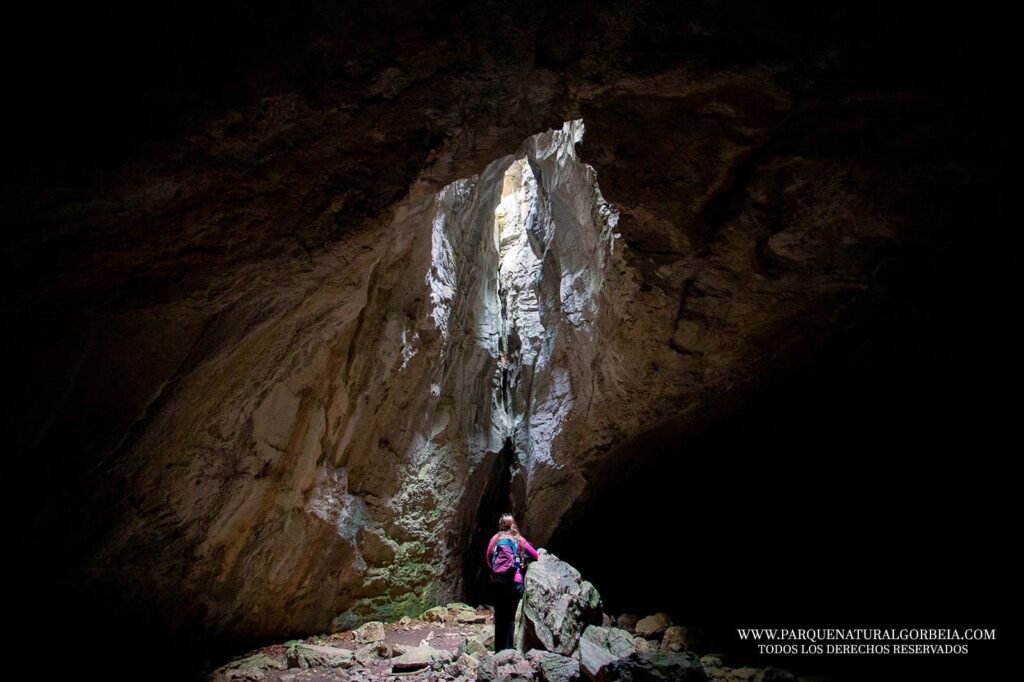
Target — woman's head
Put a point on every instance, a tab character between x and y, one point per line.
507	524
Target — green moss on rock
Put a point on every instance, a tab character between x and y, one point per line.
389	608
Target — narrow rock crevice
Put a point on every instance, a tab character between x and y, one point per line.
497	500
534	245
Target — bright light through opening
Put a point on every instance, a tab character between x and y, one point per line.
518	266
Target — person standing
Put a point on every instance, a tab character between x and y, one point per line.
506	557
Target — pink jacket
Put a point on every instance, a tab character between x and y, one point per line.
524	548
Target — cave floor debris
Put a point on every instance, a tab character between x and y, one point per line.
270	663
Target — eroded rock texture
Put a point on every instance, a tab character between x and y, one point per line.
260	293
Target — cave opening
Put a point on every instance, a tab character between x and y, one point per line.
518	274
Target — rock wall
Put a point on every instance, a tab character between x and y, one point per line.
257	341
336	454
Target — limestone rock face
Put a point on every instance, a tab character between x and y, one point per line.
274	322
557	606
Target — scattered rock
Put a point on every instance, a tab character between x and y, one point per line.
653	626
557	605
656	666
644	645
717	672
438	614
456	612
508	664
675	639
607	620
554	667
469	664
472	646
249	668
600	646
301	655
370	632
628	621
369	653
487	637
418	658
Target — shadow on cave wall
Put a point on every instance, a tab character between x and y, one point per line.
497	500
844	495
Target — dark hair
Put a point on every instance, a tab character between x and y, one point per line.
507	524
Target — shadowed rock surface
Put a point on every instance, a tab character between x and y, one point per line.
257	295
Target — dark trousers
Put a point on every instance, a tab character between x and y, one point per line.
506	599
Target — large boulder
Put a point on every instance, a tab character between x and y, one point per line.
600	646
557	606
656	666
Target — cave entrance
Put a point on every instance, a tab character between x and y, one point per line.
496	500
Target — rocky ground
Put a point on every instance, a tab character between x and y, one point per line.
410	648
562	635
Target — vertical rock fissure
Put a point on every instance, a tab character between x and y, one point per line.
516	274
518	277
518	255
496	500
